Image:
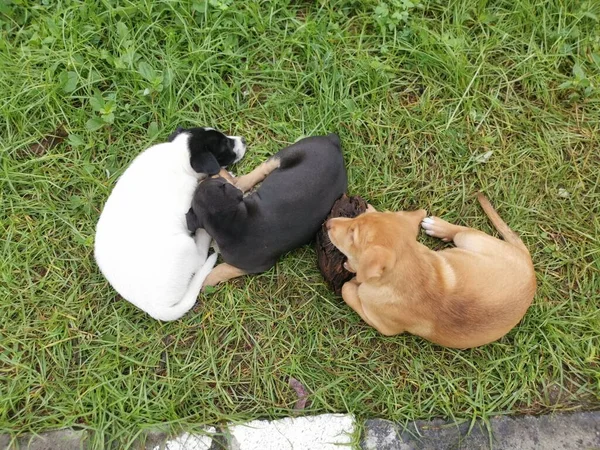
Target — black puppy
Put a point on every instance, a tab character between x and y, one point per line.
301	183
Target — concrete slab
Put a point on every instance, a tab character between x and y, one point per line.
188	441
561	431
334	432
323	432
66	439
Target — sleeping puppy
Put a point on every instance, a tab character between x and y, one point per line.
143	246
459	297
301	183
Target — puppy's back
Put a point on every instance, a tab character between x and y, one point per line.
294	200
311	166
143	210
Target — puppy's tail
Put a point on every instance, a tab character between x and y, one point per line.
509	235
191	294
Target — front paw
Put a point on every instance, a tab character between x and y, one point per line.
438	228
353	282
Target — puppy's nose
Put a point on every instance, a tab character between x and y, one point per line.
243	141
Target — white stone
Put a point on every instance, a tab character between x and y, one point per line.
324	432
188	441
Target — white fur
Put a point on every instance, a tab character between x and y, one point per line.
143	246
239	147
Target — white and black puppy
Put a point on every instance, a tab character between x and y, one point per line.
301	183
143	246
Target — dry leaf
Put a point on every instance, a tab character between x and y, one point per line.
301	392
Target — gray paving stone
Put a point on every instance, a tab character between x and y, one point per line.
381	435
65	439
553	432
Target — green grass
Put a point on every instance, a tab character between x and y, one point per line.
415	103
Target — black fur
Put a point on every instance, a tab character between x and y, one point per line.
285	212
209	149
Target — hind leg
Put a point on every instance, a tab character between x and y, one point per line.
439	228
223	272
463	237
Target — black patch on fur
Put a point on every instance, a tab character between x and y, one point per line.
209	149
204	162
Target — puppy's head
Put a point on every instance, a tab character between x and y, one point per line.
213	197
371	241
210	149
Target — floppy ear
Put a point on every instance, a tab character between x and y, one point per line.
415	218
193	221
233	197
373	262
204	162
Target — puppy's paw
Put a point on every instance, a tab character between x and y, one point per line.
438	228
353	281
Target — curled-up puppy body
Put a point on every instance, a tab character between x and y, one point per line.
301	183
143	246
459	297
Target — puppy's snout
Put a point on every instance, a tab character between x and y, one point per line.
239	147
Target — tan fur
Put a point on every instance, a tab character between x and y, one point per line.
225	174
248	181
459	297
223	272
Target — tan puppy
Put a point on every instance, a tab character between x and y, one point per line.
459	297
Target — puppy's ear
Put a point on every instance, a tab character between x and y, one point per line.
193	221
374	262
204	162
235	196
414	219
